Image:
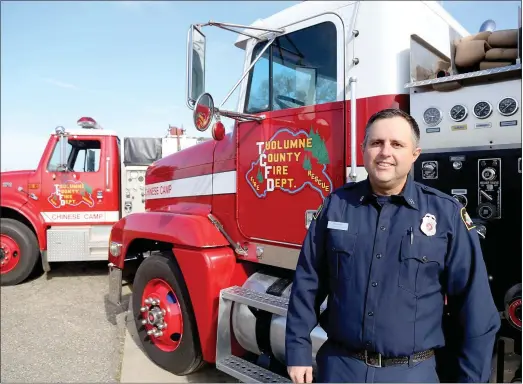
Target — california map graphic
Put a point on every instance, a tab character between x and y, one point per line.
72	193
290	161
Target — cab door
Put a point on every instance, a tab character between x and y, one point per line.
292	160
77	194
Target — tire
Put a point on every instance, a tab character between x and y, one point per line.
27	244
187	358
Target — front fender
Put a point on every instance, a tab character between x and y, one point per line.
28	211
184	230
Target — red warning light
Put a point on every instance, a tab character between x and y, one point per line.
88	123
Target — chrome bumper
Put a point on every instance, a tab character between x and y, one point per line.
115	286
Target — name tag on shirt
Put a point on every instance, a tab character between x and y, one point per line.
338	225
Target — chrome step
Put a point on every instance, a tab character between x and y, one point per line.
263	301
237	367
248	372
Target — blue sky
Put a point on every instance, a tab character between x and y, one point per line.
123	63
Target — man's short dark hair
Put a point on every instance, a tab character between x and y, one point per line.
388	114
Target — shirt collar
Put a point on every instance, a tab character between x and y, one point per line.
407	195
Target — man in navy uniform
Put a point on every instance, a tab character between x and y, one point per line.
386	251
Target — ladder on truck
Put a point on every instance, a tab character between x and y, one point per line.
235	366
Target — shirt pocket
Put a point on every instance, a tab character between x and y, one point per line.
422	260
340	254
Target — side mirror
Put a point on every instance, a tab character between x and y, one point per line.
90	161
203	112
195	65
62	167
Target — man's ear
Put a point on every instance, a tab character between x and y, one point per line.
416	153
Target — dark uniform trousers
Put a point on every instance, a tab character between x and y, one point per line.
336	366
385	265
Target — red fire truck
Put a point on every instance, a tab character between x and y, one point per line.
64	210
225	219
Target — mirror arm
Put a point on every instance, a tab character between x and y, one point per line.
248	70
241	116
235	31
230	25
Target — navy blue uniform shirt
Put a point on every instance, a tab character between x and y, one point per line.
386	278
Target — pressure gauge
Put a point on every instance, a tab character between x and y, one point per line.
462	199
432	116
507	106
458	112
482	109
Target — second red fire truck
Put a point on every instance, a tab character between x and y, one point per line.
85	181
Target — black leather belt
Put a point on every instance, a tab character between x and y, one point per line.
375	359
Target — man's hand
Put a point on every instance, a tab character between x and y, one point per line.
300	374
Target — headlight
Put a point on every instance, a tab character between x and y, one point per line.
115	248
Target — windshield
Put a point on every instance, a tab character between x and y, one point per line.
302	66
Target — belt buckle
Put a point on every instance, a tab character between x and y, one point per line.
371	360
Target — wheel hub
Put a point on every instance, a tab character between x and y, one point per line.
153	315
9	253
161	315
4	255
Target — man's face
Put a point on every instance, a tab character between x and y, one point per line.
390	151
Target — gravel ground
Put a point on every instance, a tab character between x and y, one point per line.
59	327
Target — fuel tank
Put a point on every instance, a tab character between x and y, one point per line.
248	327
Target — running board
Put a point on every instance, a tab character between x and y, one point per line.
235	366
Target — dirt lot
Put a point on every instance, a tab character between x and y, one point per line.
55	328
60	328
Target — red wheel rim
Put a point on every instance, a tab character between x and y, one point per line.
512	313
9	254
161	315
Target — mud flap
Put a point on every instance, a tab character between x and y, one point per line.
115	286
45	263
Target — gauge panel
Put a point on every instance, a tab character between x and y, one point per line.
482	109
508	106
432	116
462	199
458	112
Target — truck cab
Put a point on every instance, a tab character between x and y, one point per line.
224	223
84	183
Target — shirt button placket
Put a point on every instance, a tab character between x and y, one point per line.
372	295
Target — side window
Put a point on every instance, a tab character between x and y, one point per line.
299	69
54	162
82	156
258	95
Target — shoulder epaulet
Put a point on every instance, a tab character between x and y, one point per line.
438	193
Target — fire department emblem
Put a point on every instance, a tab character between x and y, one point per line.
428	225
289	162
72	193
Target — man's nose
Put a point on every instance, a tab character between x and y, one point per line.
386	150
